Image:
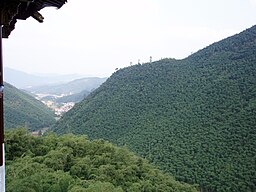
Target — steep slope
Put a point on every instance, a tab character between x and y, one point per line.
194	118
23	110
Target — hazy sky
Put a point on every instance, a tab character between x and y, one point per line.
95	37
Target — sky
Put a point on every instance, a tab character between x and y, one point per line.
96	37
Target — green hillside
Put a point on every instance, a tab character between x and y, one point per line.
74	164
21	109
194	118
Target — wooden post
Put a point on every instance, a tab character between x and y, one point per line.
1	102
2	166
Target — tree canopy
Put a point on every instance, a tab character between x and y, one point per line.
75	164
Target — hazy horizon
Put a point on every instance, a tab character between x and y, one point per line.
97	37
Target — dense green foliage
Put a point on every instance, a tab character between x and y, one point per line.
195	118
21	109
74	164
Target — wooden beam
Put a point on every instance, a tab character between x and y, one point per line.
1	102
13	10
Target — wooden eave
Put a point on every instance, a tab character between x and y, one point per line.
12	10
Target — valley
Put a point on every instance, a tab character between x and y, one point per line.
61	97
50	101
38	107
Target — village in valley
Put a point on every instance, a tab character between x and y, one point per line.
58	108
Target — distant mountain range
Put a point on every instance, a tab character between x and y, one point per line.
23	80
68	88
73	91
23	110
194	118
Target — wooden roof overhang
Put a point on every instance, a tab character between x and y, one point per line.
12	10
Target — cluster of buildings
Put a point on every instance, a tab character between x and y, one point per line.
58	108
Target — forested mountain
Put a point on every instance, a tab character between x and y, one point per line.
21	109
194	118
74	164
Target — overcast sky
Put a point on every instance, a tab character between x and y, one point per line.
95	37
